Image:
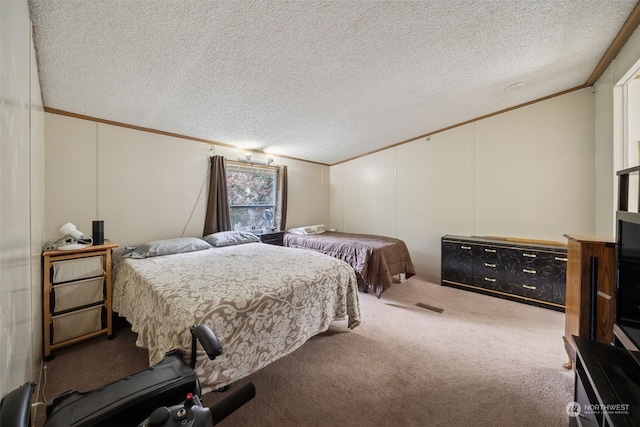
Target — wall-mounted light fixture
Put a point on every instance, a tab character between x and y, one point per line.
247	159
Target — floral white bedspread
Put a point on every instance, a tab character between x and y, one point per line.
262	302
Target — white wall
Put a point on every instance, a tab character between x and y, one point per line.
21	205
534	170
147	186
37	200
525	173
632	150
435	194
367	203
603	130
633	125
610	137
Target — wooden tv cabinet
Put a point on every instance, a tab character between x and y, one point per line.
590	292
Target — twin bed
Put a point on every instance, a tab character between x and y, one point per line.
376	259
262	301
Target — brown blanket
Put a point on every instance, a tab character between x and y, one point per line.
375	258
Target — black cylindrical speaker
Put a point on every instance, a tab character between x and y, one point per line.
98	233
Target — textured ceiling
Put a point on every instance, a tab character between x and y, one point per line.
323	81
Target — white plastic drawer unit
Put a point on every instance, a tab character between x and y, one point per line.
77	269
69	295
76	323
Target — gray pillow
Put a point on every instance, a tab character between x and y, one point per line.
228	238
166	247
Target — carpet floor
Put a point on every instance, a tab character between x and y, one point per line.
482	361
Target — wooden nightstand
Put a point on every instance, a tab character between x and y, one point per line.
76	295
272	238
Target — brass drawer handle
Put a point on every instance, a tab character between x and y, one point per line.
526	270
486	264
529	255
465	247
529	287
488	279
560	259
490	250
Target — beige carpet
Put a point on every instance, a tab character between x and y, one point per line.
483	361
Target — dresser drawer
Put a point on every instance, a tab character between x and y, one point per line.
76	324
489	270
488	274
77	269
530	274
489	254
77	294
457	262
534	289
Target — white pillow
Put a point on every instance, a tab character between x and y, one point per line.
228	238
311	229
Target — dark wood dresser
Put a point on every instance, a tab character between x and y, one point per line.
525	272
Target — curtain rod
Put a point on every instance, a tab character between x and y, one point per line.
252	164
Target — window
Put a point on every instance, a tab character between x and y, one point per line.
252	196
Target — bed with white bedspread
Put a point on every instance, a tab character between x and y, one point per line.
262	302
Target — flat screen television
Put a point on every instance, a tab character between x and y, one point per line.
628	275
